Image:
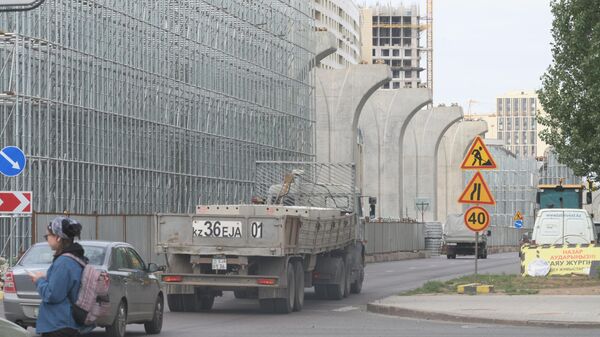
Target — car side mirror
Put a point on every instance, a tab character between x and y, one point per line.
488	233
152	267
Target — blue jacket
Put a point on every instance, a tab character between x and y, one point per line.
62	279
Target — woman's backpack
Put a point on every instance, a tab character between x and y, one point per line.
92	299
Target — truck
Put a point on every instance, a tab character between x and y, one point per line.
457	239
304	230
560	196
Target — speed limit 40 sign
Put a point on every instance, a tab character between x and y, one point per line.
477	218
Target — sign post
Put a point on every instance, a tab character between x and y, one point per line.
477	191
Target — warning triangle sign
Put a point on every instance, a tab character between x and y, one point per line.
477	192
518	216
478	157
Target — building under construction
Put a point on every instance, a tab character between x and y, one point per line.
135	107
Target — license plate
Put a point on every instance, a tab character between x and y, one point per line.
219	263
217	229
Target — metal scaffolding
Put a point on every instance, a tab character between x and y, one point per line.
147	106
513	185
553	172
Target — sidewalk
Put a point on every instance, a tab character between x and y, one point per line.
532	310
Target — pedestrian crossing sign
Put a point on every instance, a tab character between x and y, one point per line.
478	157
477	192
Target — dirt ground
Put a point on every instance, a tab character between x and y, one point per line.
571	291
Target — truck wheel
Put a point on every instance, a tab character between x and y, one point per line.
175	302
336	290
286	305
356	286
204	303
299	291
347	280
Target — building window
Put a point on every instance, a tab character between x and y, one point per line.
374	52
396	85
500	134
523	105
515	108
499	106
525	123
525	138
396	52
396	74
507	106
509	124
508	138
408	53
532	137
517	123
532	105
407	74
386	86
533	152
533	123
500	124
385	52
516	138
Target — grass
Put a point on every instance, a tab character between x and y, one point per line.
507	284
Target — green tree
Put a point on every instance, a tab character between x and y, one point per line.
570	92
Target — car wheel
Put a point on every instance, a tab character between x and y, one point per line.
155	325
117	329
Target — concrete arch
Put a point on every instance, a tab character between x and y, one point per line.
326	44
341	95
428	128
384	117
451	152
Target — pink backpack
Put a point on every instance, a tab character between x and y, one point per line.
92	300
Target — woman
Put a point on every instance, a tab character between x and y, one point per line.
60	286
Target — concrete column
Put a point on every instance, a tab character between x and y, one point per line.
383	123
341	95
326	45
422	140
451	153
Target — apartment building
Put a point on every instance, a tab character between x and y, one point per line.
517	124
391	35
340	17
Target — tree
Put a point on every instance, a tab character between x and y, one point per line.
570	93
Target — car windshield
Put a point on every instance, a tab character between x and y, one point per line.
42	254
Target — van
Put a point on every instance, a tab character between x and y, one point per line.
557	226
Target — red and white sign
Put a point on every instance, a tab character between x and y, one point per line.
12	202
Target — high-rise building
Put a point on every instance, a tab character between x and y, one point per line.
340	17
517	113
391	35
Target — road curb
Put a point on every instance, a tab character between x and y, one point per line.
439	316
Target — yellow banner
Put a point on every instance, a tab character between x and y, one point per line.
548	260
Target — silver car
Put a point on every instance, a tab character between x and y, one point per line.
135	293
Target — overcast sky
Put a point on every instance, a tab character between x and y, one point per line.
484	48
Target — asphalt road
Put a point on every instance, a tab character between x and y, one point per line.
348	317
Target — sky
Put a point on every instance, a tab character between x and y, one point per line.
485	48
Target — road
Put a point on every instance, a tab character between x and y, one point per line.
348	317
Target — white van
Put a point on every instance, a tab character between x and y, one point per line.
563	226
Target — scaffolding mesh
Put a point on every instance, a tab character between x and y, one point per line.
146	106
309	184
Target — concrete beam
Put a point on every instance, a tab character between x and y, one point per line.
451	153
420	160
341	95
326	45
383	123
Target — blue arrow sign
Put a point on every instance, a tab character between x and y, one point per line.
518	223
12	161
